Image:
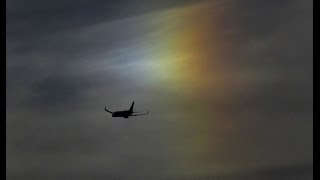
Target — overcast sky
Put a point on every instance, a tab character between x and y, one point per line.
228	83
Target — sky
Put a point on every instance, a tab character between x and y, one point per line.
228	83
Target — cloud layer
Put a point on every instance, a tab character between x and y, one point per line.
66	60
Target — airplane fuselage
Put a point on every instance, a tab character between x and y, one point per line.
124	114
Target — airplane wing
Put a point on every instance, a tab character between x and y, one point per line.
140	114
105	108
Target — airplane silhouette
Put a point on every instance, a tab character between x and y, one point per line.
126	113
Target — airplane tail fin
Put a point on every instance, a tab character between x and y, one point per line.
131	108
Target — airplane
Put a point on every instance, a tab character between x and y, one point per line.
126	113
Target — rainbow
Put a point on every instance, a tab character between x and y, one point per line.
178	56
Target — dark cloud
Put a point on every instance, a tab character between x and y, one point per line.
57	91
30	19
298	171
